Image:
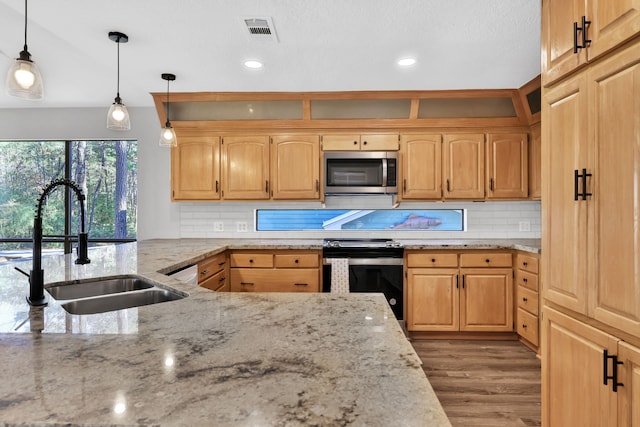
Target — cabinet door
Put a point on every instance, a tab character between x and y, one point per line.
564	220
486	299
195	169
629	394
295	167
573	391
347	142
612	23
557	35
379	142
463	163
245	167
614	226
508	166
421	159
433	299
535	162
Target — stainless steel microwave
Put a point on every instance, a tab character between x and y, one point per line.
360	172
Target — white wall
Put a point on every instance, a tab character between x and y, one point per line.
159	218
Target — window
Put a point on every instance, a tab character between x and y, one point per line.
361	219
104	170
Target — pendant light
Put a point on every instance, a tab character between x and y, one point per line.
168	134
24	79
118	116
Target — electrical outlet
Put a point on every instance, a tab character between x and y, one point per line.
241	226
524	226
218	226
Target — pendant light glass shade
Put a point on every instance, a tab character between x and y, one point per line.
118	116
23	78
168	136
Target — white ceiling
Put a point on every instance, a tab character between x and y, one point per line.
323	45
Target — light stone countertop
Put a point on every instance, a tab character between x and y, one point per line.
223	359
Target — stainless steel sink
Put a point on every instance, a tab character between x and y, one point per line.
98	287
110	294
120	301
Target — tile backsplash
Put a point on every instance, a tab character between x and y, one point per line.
508	219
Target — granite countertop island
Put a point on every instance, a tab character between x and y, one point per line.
223	359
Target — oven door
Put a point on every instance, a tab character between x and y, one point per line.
382	275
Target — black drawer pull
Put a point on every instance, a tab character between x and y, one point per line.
355	142
301	284
525	280
250	261
524	326
247	283
296	261
614	373
222	279
433	260
222	263
487	260
525	263
524	299
204	272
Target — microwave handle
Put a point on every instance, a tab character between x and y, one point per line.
384	172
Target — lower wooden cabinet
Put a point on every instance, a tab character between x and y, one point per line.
213	273
527	298
456	292
589	377
275	271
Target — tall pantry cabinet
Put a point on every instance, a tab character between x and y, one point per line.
591	214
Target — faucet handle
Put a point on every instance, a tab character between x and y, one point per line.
23	272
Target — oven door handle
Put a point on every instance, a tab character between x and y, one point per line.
368	261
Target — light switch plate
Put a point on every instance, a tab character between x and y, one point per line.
524	226
241	226
218	226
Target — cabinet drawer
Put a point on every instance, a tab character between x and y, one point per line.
210	266
218	282
252	260
432	260
289	280
528	280
486	260
296	260
528	300
527	262
527	326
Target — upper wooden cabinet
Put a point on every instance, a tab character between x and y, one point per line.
507	166
575	32
463	162
421	177
364	142
591	230
195	168
245	168
535	162
295	167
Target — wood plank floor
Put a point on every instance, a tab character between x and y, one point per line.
483	383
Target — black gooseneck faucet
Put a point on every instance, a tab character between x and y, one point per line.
36	278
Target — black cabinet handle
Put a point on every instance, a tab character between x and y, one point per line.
317	185
296	261
246	283
575	37
524	326
222	279
433	260
203	272
448	187
250	261
583	28
525	263
576	186
491	184
614	371
364	143
301	284
355	142
222	263
525	280
404	186
487	260
266	186
463	281
524	299
457	283
216	185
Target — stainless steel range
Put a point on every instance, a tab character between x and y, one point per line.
375	265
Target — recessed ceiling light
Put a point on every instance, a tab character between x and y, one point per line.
406	62
253	64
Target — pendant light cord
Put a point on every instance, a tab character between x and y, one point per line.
25	25
118	80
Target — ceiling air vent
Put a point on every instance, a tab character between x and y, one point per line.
260	29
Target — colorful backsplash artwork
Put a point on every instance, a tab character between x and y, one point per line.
360	219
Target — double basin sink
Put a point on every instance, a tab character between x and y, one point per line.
110	294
